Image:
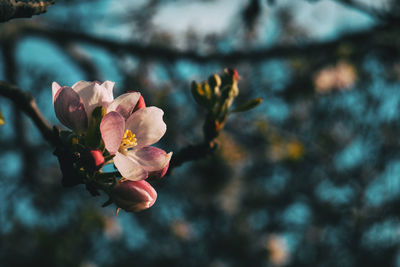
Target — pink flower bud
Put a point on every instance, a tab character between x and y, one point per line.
92	159
97	157
158	174
140	104
134	195
235	75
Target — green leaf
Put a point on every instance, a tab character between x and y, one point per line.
93	137
249	105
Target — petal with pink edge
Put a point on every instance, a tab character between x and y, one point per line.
124	104
129	168
150	158
55	87
70	110
147	124
112	129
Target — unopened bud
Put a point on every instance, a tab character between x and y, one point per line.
233	73
140	104
202	94
214	80
158	174
92	159
133	195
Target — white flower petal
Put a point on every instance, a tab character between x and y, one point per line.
147	124
109	87
92	95
124	104
129	168
150	158
81	84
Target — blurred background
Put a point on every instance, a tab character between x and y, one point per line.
308	178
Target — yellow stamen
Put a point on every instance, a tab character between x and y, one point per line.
128	140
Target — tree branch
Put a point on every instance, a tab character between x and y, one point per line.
12	9
191	153
81	59
366	40
25	102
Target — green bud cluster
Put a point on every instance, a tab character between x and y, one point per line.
216	95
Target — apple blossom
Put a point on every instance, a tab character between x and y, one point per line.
128	132
108	130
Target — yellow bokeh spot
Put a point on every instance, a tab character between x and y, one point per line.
295	150
128	140
2	121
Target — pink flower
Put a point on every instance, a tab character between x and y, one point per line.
128	129
134	195
74	105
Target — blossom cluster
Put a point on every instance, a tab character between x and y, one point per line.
116	131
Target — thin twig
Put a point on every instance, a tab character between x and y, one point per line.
25	102
191	153
201	150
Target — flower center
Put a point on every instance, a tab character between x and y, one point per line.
128	140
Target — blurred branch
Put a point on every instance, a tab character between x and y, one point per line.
373	38
191	153
82	59
251	13
211	130
12	9
25	102
361	7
